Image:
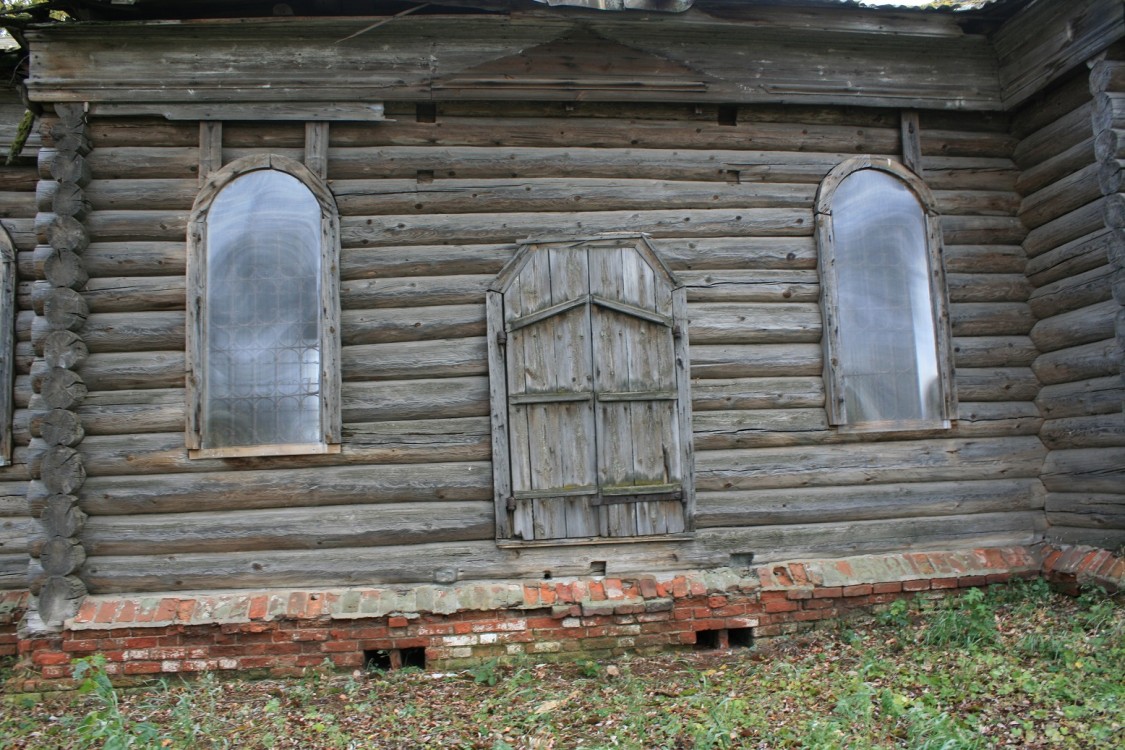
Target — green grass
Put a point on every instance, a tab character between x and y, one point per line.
1015	667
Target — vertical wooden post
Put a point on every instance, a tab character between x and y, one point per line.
911	143
210	149
316	148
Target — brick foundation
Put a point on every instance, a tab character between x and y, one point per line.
283	632
13	604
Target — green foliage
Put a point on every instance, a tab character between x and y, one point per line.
105	726
968	622
896	615
486	673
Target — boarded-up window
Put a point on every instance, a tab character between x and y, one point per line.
7	341
887	360
263	338
590	397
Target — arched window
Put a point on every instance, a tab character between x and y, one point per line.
887	363
7	341
263	313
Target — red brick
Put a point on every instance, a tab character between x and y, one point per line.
968	581
597	590
916	585
1050	560
802	593
141	667
77	645
813	615
339	646
347	660
887	587
828	592
943	583
844	567
799	573
861	589
998	578
920	563
185	610
648	587
680	587
397	622
57	672
44	658
781	606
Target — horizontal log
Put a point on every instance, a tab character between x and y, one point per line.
439	358
248	489
13	571
1104	511
1107	75
126	412
414	291
415	399
382	326
960	173
1103	538
1102	395
377	231
1083	362
757	393
994	351
493	195
125	332
996	383
775	428
755	360
1061	197
1092	431
109	132
135	294
1052	170
1072	258
990	318
756	285
142	194
17	204
1083	326
754	323
145	162
965	142
1072	293
984	259
295	528
1055	137
125	370
789	542
870	502
1108	111
1069	227
136	226
1089	470
131	259
1109	145
982	230
987	287
22	231
865	463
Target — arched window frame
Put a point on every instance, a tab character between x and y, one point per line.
329	310
7	342
830	302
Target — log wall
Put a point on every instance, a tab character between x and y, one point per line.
1070	156
432	206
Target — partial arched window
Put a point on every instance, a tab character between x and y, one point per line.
7	341
887	364
263	313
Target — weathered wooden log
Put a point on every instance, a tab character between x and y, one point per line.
62	389
1083	254
61	517
64	233
1108	111
137	194
67	137
994	351
1103	538
1092	431
993	287
1117	285
984	259
1062	196
16	204
145	162
59	598
64	349
381	326
990	318
125	332
1067	96
67	167
1083	362
132	259
1103	511
23	232
1109	145
846	504
1088	470
956	173
61	268
63	310
296	528
1072	293
965	142
226	490
133	226
1114	206
415	399
1082	326
1107	75
1102	395
135	294
996	383
982	230
754	323
127	131
756	285
866	463
1058	167
757	393
1067	228
440	358
755	360
57	427
486	195
414	291
377	231
70	200
13	571
1056	137
61	556
124	370
1110	176
71	114
61	469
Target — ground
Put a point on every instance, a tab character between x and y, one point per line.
1014	667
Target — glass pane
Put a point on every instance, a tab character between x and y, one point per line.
888	353
262	313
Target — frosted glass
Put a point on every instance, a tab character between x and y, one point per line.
261	313
888	352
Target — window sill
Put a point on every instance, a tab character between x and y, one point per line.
250	451
593	540
892	426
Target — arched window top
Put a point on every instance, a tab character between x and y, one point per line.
263	332
886	326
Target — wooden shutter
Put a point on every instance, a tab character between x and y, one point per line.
590	434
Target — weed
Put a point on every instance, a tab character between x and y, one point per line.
896	615
967	622
105	726
486	673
